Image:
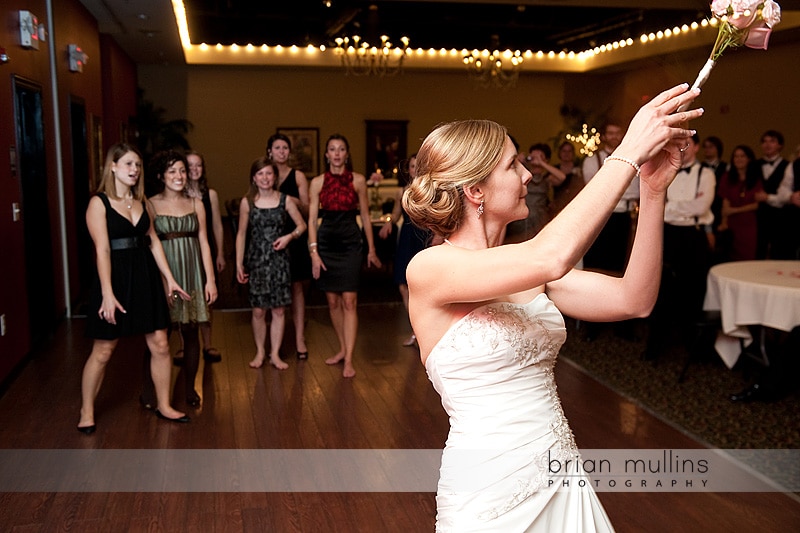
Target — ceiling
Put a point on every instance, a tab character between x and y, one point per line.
146	29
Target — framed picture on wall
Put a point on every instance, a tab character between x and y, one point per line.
305	149
386	146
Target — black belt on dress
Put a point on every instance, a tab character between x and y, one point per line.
177	235
127	243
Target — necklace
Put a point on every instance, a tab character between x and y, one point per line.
129	200
448	242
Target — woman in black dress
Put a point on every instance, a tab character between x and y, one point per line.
334	241
294	183
197	187
128	293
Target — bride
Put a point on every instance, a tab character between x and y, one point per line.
488	316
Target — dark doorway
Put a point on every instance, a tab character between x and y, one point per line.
39	273
82	180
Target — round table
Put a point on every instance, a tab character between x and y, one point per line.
752	293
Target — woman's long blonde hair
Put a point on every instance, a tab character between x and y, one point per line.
106	184
453	156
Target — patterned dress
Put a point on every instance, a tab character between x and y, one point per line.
270	280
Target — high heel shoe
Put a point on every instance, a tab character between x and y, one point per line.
87	430
302	356
180	420
193	399
146	404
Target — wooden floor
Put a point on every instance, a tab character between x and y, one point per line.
389	404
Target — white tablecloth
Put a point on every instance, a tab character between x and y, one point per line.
752	293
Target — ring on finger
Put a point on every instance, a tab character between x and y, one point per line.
684	148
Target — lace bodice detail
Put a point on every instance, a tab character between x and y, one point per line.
494	370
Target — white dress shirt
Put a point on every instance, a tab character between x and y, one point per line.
689	199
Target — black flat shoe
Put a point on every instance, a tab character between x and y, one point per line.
87	430
212	357
181	420
302	356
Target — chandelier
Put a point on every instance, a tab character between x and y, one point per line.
359	58
488	70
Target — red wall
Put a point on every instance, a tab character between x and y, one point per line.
109	71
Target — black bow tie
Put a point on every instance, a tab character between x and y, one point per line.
686	169
770	163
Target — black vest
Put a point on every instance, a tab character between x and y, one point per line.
796	169
773	181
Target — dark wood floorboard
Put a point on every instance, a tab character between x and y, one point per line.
389	404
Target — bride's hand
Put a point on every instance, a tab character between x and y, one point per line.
659	171
656	124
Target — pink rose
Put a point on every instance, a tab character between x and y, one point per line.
740	6
758	36
771	13
720	7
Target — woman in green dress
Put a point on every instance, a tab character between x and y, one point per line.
180	223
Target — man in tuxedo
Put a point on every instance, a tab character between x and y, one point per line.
773	170
687	252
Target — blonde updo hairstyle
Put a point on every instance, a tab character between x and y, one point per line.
453	156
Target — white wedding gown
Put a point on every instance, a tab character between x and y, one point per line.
494	372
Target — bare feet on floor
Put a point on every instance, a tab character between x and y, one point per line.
278	363
257	362
348	371
335	360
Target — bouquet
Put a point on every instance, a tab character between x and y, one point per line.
741	22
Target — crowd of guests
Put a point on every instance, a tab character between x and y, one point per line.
292	230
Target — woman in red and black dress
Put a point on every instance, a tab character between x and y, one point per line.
334	241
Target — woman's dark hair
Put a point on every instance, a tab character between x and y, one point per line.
545	149
277	137
752	173
404	176
160	164
339	137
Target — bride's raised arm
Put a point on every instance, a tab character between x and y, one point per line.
475	268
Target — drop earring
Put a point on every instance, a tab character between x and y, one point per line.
480	209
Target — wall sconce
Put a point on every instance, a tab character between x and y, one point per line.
3	56
30	33
77	58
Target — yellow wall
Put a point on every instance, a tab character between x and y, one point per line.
235	109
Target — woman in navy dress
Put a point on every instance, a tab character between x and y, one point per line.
410	241
128	292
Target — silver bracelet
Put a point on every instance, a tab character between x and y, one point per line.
631	162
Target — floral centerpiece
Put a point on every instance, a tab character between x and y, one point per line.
740	22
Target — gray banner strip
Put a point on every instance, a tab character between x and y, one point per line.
387	470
